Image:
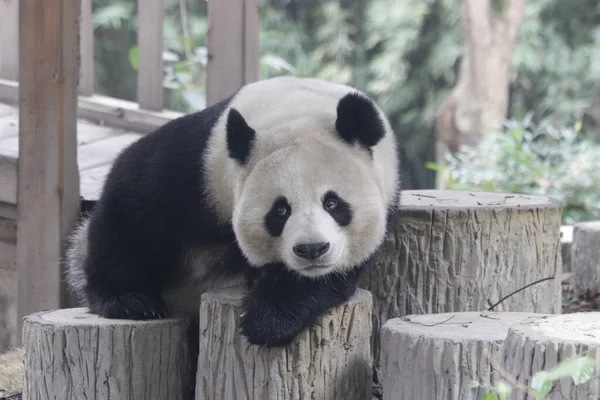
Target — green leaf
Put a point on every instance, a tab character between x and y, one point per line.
489	396
133	58
540	384
503	389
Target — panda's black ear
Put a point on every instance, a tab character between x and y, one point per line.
240	137
358	119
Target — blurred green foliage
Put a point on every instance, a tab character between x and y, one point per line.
404	53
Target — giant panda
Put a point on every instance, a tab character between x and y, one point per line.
286	187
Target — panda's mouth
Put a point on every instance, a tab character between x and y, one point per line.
312	268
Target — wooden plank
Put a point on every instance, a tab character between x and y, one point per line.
104	151
105	110
92	181
9	39
233	47
86	80
150	49
48	191
9	126
9	91
8	180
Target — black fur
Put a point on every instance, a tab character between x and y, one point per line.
282	303
240	137
152	208
274	222
342	212
358	120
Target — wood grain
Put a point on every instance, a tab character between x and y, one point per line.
71	355
585	255
545	342
48	177
452	251
436	356
86	80
329	361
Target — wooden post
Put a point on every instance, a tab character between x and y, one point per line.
330	360
150	49
48	178
543	343
450	251
86	83
436	356
9	39
71	354
233	47
585	255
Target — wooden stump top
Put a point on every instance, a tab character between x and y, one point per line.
444	199
581	328
472	325
81	316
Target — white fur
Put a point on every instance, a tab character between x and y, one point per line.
298	154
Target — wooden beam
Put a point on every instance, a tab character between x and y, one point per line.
150	48
233	47
86	82
9	39
48	178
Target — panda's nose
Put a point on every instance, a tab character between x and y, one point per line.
311	251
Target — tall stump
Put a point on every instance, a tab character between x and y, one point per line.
545	342
436	356
329	361
451	251
585	255
72	355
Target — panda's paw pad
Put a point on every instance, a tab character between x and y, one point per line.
136	306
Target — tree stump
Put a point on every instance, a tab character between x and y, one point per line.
585	255
436	356
329	361
71	354
544	342
452	251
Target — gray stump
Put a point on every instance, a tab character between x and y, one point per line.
436	356
72	355
329	361
585	255
452	251
543	343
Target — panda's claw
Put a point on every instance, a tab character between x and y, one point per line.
134	306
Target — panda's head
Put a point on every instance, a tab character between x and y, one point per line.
316	201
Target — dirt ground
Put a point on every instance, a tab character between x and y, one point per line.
578	300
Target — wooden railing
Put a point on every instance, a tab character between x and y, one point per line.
41	58
233	60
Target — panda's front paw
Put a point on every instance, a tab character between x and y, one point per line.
267	326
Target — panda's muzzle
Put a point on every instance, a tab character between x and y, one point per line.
311	251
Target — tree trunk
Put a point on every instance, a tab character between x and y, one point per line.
479	101
452	251
543	343
585	255
329	361
445	353
71	355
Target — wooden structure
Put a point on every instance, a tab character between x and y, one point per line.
451	251
50	160
331	360
115	372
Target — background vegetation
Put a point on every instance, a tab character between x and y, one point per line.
406	53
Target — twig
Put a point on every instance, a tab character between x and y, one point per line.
428	325
518	290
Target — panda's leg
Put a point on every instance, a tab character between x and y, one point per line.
282	304
123	281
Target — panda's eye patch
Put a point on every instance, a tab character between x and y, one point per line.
277	216
338	208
